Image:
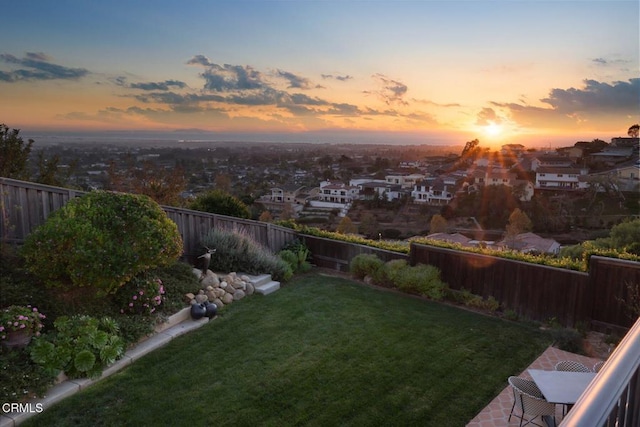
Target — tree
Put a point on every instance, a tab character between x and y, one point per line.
51	173
287	212
221	203
162	185
265	216
438	224
519	223
634	131
369	225
222	182
346	226
625	234
14	154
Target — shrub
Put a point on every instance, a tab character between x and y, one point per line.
20	318
102	240
296	254
568	340
394	267
20	377
221	203
289	257
237	251
365	265
421	279
177	279
81	346
140	295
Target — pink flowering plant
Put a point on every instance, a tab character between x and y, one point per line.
20	318
141	295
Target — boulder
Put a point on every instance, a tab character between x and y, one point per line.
201	297
227	298
238	295
188	297
250	289
209	279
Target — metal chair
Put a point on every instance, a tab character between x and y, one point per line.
571	366
529	399
598	366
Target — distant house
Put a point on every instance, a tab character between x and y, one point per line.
337	192
404	180
500	177
433	192
512	149
550	161
286	193
561	178
450	238
530	242
383	190
612	155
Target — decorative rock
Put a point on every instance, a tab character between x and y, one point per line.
210	279
201	298
189	297
250	289
245	278
218	302
218	292
211	295
224	284
230	290
227	298
238	295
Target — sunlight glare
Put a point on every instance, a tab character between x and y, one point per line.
493	129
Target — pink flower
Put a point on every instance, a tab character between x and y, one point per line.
130	304
1	328
135	297
141	292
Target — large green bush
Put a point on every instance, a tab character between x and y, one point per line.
237	251
102	239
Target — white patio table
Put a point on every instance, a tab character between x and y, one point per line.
561	387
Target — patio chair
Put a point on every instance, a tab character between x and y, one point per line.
529	399
571	366
598	366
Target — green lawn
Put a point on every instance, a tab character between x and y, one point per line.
322	351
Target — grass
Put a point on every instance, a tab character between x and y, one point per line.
322	351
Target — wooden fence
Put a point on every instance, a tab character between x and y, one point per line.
337	255
534	291
26	205
538	292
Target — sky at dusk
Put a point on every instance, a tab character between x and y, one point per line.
531	72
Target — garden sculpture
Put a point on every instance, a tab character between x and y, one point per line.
207	260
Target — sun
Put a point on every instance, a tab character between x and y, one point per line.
493	129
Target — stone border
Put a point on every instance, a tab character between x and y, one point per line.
177	324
